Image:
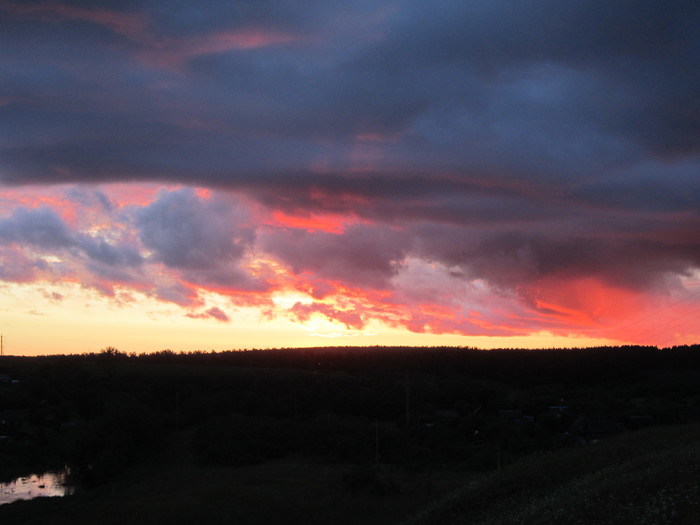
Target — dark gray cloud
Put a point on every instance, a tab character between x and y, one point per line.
363	256
103	252
514	141
520	259
543	90
205	239
185	233
46	234
41	227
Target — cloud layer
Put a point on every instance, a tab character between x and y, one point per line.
468	167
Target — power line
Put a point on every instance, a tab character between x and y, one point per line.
671	323
654	315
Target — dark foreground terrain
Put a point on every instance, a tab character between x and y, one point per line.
342	435
647	476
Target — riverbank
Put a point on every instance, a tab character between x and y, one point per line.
176	489
31	486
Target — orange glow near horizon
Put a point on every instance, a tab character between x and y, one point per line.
76	320
83	320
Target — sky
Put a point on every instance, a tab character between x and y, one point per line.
234	174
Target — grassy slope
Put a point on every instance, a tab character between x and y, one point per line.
650	476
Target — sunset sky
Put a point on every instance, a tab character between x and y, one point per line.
237	174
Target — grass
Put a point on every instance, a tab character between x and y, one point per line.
646	477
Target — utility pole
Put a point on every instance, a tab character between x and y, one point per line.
2	345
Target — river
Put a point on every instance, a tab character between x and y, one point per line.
48	484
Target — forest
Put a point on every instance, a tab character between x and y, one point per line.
384	424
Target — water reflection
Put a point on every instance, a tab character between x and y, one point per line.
34	486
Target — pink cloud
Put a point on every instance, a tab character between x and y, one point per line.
174	53
212	313
17	267
330	223
350	318
246	38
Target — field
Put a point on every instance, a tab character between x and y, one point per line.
345	436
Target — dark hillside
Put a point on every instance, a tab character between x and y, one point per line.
650	476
